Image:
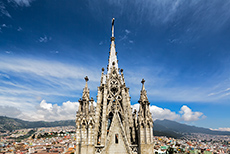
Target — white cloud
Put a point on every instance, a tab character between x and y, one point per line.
130	41
222	92
22	2
46	69
67	111
221	129
160	113
52	112
24	80
9	111
3	10
44	39
8	52
4	25
46	106
188	115
45	111
135	107
185	113
127	31
4	76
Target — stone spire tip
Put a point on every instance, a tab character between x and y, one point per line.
86	79
143	81
143	86
113	28
112	54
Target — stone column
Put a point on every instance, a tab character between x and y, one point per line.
148	134
151	132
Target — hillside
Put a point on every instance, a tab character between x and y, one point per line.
179	128
7	123
161	127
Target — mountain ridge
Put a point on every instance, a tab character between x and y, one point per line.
176	127
7	123
161	127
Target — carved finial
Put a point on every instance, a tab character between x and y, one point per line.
143	81
85	94
86	79
121	70
102	75
113	27
143	95
135	111
143	86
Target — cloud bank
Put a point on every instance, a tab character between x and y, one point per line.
67	111
53	112
185	114
9	111
221	129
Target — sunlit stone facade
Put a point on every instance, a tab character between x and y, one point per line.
112	127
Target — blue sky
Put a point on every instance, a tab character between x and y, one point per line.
181	48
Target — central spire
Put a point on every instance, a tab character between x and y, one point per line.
112	53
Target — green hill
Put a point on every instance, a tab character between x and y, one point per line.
7	123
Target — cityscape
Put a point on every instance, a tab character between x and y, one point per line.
62	140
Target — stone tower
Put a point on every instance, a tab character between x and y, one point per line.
85	123
113	128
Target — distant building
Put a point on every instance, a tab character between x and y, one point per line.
113	128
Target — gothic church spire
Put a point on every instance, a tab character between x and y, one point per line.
143	95
85	94
112	54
